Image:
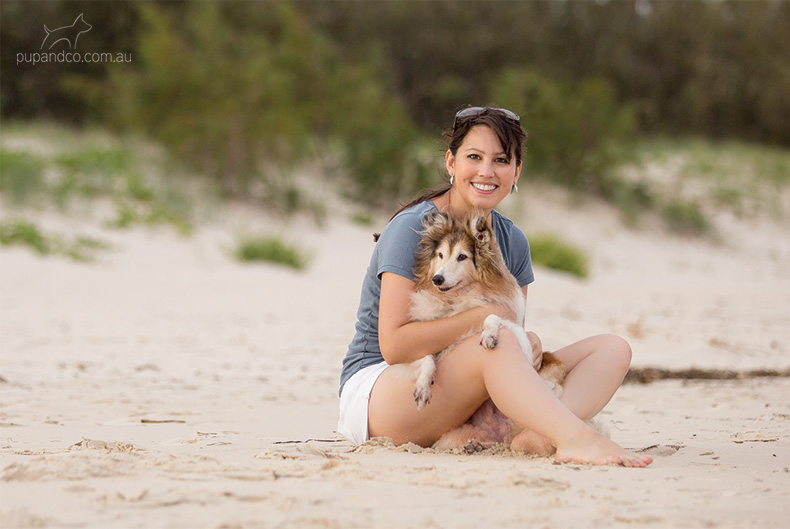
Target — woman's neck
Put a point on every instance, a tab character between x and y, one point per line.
446	203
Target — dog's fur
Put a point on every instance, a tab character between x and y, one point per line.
459	267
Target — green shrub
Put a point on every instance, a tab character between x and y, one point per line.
554	253
270	249
244	93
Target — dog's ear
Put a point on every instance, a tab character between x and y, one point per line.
435	218
436	224
480	230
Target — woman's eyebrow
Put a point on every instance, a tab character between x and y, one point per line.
500	153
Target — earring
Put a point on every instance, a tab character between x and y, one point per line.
452	178
514	189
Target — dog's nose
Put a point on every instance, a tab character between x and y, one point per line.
438	280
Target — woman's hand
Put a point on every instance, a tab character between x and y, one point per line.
537	349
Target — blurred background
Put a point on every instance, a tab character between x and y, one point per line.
249	95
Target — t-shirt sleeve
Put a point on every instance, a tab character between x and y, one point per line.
521	260
398	244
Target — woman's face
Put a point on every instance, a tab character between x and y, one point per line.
483	176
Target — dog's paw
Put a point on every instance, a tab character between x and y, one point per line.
489	339
422	396
473	446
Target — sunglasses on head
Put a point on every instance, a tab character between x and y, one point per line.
476	111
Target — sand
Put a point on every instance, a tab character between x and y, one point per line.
168	386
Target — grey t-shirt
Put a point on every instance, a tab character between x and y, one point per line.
394	252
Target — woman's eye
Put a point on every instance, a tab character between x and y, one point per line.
502	160
461	257
474	157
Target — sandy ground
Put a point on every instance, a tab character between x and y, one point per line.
168	386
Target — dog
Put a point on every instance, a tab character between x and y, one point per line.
458	266
66	33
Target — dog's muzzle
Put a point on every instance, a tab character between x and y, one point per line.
438	280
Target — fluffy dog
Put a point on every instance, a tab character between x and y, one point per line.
459	267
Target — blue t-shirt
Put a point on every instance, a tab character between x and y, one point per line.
394	252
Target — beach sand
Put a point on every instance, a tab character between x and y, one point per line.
169	386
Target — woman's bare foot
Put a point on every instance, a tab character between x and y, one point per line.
529	442
591	448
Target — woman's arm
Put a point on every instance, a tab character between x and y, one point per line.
402	340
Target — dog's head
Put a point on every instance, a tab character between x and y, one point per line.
448	251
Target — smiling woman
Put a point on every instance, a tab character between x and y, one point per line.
482	173
483	162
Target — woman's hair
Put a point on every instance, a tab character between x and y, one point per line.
507	130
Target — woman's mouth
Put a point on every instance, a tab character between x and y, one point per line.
485	188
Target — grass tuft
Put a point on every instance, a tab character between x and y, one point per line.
270	249
25	233
554	253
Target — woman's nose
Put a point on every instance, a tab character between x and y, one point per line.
486	169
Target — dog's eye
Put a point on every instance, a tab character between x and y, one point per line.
462	257
440	255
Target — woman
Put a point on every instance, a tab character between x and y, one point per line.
483	160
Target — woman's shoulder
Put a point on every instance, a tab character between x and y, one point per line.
410	218
417	211
508	229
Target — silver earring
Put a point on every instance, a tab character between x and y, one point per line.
452	178
514	189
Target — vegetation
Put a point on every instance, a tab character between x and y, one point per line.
254	94
89	171
247	93
685	218
270	249
247	106
21	175
582	130
25	233
556	254
686	180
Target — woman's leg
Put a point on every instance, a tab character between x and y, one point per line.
466	377
596	368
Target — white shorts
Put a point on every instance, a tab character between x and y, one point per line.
353	422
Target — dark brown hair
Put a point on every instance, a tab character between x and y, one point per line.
507	130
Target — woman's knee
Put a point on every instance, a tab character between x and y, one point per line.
508	343
618	350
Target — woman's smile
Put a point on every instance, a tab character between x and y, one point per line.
484	188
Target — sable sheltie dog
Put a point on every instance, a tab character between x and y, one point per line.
459	267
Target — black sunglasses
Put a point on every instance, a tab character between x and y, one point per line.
476	111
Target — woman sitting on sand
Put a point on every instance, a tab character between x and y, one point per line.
483	161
